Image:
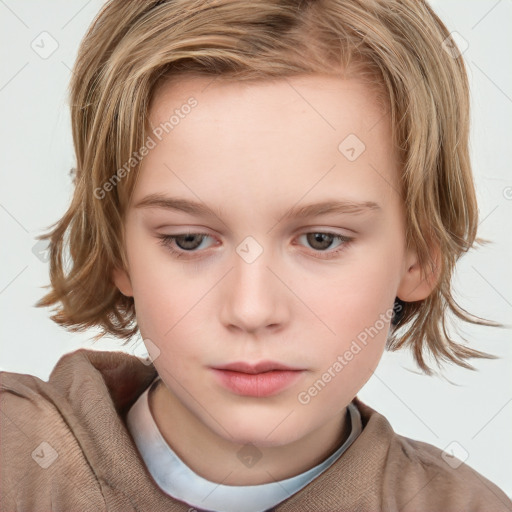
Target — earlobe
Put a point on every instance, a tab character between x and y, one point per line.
417	282
122	281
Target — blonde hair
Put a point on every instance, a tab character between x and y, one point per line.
395	47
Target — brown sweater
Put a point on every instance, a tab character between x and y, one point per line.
64	446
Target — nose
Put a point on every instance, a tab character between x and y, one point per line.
254	299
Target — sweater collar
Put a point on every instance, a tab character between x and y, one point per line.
93	390
177	479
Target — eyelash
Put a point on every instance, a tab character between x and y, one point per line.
166	241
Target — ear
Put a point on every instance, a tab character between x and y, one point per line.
122	281
417	282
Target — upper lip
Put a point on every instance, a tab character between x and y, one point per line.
259	367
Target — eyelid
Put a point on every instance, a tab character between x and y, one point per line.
166	241
329	253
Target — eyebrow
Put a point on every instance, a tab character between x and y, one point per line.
300	212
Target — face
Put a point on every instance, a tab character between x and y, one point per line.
229	259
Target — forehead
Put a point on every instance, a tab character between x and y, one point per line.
331	101
282	135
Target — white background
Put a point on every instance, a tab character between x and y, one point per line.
472	408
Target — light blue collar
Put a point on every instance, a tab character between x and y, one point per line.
176	479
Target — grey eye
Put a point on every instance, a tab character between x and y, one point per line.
189	242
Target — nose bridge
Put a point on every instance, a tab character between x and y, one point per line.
253	298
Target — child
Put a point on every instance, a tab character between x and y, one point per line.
318	154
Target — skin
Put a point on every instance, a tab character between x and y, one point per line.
251	152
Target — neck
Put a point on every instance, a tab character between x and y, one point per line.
217	459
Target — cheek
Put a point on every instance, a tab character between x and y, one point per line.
357	306
351	369
354	296
161	292
157	303
346	359
168	309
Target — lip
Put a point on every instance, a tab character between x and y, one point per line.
262	379
259	367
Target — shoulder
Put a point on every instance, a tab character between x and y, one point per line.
38	444
49	429
419	476
422	473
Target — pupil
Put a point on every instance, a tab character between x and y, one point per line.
324	239
187	241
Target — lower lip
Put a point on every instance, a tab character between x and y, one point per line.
258	384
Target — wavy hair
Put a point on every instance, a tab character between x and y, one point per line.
399	48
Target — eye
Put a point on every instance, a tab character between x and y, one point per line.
186	242
192	243
321	242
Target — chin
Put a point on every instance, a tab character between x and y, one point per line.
261	432
262	441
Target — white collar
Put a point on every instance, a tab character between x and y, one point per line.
176	479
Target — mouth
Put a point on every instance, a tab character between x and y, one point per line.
262	379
